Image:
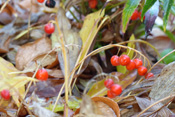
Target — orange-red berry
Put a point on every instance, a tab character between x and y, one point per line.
131	65
42	74
5	94
142	70
92	3
40	1
108	83
49	28
124	60
135	15
149	75
114	60
138	63
110	94
116	89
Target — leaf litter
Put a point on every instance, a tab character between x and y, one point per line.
90	37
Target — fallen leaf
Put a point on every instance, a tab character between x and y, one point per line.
144	103
98	88
71	38
7	15
14	82
164	83
98	107
28	52
40	111
49	88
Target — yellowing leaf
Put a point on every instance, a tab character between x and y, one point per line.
98	88
13	82
90	29
128	52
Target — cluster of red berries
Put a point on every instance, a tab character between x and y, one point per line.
5	94
114	89
136	15
42	74
124	60
92	3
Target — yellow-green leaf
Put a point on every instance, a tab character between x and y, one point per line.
14	82
90	29
128	52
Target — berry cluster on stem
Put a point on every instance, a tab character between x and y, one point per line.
125	60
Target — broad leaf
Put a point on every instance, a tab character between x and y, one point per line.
15	83
150	18
148	4
98	89
71	39
129	9
89	30
166	7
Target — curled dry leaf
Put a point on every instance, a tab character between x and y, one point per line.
7	15
30	51
98	107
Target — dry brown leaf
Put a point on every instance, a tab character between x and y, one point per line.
164	84
144	103
72	41
7	15
49	88
30	51
160	43
56	73
98	107
30	5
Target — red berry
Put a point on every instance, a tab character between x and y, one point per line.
135	15
142	70
110	94
49	28
114	60
138	63
144	18
92	3
108	83
42	74
149	75
116	89
124	60
131	65
5	94
40	1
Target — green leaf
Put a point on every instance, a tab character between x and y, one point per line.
169	58
166	7
148	4
130	6
130	53
72	104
